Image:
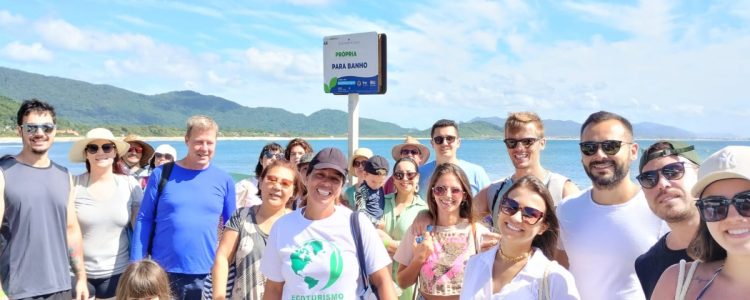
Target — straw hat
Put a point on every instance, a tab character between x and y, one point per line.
424	152
148	151
76	152
360	152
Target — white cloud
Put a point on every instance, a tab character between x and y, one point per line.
7	18
21	52
133	20
62	34
285	64
650	19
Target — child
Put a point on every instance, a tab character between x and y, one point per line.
144	279
370	197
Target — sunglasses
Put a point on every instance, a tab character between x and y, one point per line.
136	149
513	143
407	175
444	138
413	152
106	148
609	147
529	215
359	163
33	128
166	156
673	171
716	208
269	154
443	190
285	183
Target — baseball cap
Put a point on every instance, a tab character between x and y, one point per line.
375	163
329	158
727	163
674	148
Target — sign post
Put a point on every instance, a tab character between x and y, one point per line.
354	64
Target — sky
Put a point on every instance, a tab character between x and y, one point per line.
680	63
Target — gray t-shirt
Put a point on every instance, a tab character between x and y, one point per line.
33	239
105	224
249	282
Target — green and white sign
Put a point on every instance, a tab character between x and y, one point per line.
354	63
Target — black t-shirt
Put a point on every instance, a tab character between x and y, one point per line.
651	264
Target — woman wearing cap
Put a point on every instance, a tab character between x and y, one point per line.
520	267
135	161
311	252
722	245
246	232
107	201
411	148
357	167
295	149
247	189
400	210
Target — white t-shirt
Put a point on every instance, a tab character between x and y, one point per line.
318	258
603	241
525	285
247	193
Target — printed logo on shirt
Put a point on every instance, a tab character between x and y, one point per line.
318	262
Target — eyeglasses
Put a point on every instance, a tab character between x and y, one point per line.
359	163
408	175
285	183
269	154
673	171
513	143
444	138
609	147
33	128
716	208
413	152
166	156
106	148
529	215
443	190
136	149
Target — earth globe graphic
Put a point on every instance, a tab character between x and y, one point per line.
318	262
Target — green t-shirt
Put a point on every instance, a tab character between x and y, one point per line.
397	225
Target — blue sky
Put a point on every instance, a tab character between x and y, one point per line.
681	63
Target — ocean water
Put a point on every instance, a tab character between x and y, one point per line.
241	156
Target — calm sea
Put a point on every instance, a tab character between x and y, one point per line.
561	156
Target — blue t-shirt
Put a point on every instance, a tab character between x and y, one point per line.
187	218
478	178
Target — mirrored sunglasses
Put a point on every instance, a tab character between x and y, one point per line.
673	171
47	128
106	148
513	143
716	208
609	147
443	190
166	156
136	149
444	138
529	215
269	155
402	175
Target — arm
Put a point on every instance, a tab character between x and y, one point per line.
136	195
390	244
144	220
480	204
419	225
407	274
230	201
570	189
75	246
273	290
224	255
381	279
666	286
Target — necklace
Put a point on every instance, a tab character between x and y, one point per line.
512	259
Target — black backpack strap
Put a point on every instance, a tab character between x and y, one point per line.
497	195
357	234
166	171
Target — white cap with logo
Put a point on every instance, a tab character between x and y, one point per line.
728	163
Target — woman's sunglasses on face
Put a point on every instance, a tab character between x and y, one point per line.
106	148
30	129
166	156
407	175
716	208
609	147
513	143
269	155
359	163
443	190
673	171
529	215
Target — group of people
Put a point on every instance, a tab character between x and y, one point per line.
139	223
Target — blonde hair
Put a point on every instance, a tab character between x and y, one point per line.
201	122
517	120
143	279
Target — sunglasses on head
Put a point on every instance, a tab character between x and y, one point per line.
413	152
285	183
166	156
359	163
106	148
269	154
716	208
444	138
513	143
673	171
33	128
529	215
443	190
609	147
402	175
136	149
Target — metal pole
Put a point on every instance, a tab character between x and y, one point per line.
353	126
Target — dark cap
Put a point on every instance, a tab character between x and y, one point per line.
666	148
375	163
305	159
329	158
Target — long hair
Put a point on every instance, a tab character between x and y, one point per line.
547	241
299	187
466	203
268	147
297	142
704	246
116	165
142	280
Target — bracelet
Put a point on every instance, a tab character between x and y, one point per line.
386	243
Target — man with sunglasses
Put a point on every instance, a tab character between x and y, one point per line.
135	161
668	170
446	141
605	228
40	238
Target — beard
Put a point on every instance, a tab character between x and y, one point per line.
607	182
39	152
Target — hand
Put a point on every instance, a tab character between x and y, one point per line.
82	289
488	240
419	226
384	236
423	247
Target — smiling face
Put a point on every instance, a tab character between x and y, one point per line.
359	167
411	152
37	142
405	185
608	171
133	157
671	200
446	151
448	194
277	186
323	188
521	156
512	227
100	159
201	145
732	233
